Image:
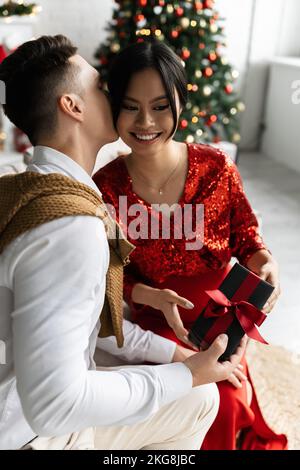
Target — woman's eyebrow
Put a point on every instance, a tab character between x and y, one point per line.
162	97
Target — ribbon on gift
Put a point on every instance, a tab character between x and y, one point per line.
226	310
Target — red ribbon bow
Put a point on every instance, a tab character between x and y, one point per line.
247	314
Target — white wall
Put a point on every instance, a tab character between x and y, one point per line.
83	21
257	30
282	138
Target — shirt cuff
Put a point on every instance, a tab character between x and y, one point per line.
177	381
161	350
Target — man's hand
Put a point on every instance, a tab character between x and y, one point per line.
206	368
265	266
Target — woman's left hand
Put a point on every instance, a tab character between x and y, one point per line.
237	377
265	266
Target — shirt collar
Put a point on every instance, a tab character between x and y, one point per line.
49	160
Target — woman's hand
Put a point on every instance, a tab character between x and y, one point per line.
265	266
237	377
166	301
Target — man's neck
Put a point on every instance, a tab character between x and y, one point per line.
82	154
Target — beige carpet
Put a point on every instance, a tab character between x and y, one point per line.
276	376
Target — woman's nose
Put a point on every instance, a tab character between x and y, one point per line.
144	118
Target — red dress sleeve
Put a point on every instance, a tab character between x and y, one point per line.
245	238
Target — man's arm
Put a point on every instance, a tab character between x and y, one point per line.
57	272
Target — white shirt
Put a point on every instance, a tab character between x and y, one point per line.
52	287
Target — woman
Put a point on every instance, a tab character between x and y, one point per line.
165	281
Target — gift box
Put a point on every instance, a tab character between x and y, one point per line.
234	309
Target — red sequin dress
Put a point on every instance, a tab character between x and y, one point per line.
230	230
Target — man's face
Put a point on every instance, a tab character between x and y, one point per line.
98	122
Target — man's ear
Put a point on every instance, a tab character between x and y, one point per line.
72	105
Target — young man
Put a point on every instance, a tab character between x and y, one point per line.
54	263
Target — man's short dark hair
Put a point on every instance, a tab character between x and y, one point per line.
35	76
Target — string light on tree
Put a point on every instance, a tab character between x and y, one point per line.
207	90
185	22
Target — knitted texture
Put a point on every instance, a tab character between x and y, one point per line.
31	199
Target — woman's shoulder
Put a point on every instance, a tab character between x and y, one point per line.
210	155
111	179
109	170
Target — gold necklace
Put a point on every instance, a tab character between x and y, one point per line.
161	189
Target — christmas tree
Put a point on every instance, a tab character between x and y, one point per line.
193	29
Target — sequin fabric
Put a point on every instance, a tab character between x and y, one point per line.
230	226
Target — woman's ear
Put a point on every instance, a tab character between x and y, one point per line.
72	105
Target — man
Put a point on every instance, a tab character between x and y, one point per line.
54	262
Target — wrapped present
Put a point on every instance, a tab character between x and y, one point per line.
234	309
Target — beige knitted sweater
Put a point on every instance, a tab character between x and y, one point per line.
30	199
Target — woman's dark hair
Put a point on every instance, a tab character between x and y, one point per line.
140	56
34	77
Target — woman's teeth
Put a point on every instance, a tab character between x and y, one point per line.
146	137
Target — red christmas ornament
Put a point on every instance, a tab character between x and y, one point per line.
198	6
140	40
142	3
138	18
228	89
201	45
208	72
161	3
183	124
174	34
179	11
185	54
212	56
208	4
211	120
21	141
103	60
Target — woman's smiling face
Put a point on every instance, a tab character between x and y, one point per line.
146	121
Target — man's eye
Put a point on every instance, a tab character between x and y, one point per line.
162	107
